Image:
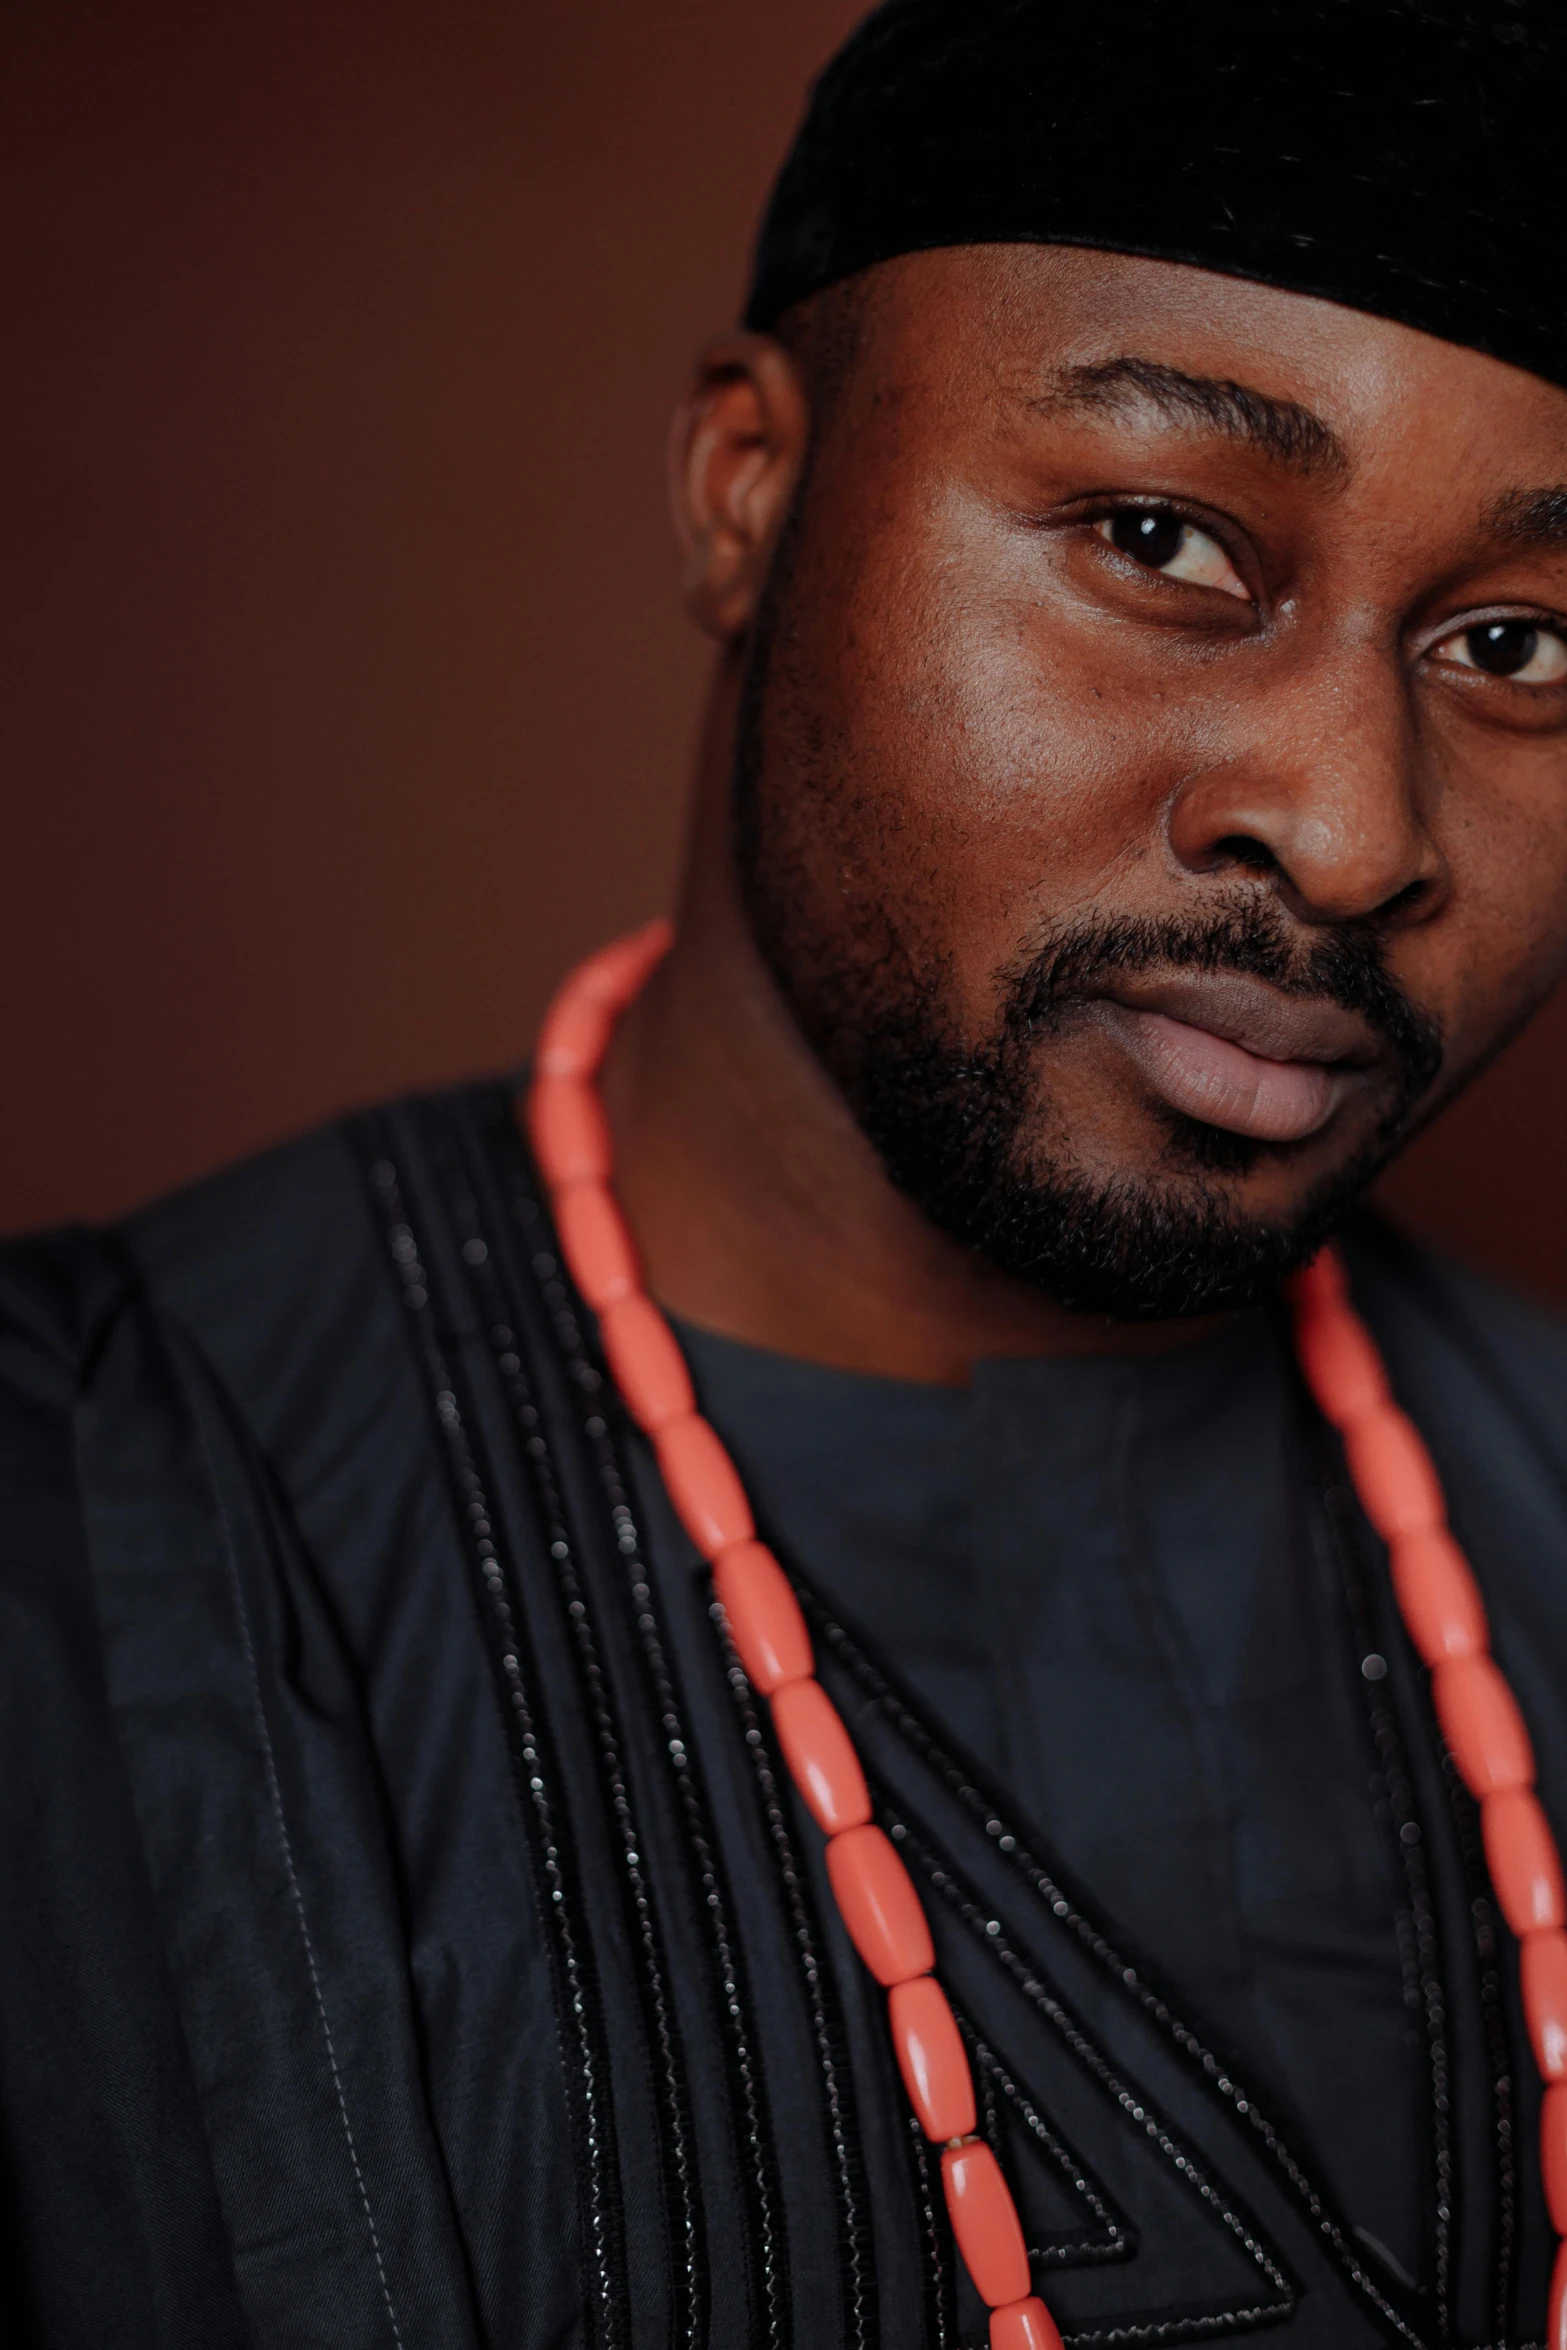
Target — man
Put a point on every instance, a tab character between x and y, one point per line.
1133	799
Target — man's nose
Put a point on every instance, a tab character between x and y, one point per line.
1322	787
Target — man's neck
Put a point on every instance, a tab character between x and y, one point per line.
761	1211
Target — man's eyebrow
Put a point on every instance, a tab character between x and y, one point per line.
1532	518
1281	430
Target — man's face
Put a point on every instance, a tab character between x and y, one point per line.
1153	778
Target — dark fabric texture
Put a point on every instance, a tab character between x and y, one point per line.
409	1936
1098	1576
1392	155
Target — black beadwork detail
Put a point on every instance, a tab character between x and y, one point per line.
506	1344
860	2294
1482	1910
826	2026
965	1783
990	2076
1419	1940
588	1383
534	1764
960	1898
1449	1316
941	2308
1343	1522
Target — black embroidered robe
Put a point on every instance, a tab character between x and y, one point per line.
409	1941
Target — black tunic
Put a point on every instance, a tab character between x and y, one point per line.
1093	1574
408	1937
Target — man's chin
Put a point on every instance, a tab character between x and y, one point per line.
1135	1248
1211	1223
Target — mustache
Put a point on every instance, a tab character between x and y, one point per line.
1345	966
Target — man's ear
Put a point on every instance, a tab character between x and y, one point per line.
735	453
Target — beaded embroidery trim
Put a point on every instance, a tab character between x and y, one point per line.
1395	1481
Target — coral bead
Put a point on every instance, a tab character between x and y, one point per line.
1398	1486
575	1035
1520	1852
569	1132
1553	2153
1340	1363
1542	1978
1438	1596
704	1484
616	974
1556	2320
879	1906
985	2222
1480	1720
646	1363
1320	1285
1024	2325
595	1243
821	1757
932	2058
765	1620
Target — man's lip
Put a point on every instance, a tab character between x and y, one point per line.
1233	1052
1249	1012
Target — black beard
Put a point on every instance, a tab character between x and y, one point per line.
949	1123
949	1119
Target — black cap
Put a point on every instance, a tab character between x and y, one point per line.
1401	156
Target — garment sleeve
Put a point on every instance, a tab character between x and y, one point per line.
109	2226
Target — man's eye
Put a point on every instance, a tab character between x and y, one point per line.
1526	651
1163	541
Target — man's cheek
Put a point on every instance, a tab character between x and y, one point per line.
1495	955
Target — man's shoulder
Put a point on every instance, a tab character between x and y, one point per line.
278	1255
236	1231
1434	1314
53	1290
281	1268
259	1240
1483	1372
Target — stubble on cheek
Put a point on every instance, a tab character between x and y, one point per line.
841	878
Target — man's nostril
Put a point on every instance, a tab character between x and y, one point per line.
1242	848
1411	900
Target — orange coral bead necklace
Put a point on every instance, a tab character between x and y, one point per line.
1398	1489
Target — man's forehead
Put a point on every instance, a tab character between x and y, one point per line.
1059	332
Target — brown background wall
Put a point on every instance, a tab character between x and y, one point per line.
348	697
